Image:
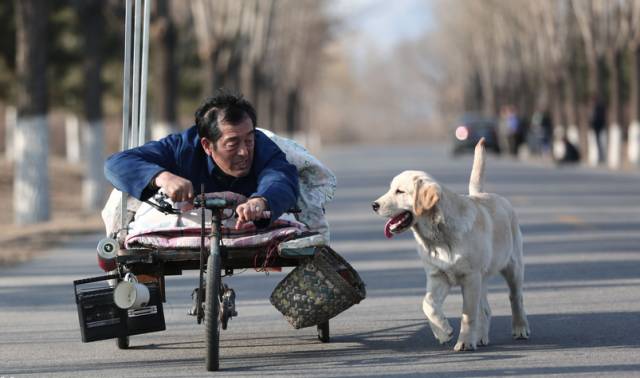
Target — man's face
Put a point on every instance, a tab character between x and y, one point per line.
233	152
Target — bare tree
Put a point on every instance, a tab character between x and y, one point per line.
591	19
92	22
633	10
31	182
218	31
165	70
617	33
10	120
528	53
269	49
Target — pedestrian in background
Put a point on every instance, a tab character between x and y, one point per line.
539	137
509	129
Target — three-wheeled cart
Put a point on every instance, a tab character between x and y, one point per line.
214	302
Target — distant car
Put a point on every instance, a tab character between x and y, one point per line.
468	131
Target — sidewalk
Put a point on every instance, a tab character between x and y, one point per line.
19	243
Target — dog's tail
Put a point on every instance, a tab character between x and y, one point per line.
476	181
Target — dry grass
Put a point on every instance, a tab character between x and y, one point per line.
21	242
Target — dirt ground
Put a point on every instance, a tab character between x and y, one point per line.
21	242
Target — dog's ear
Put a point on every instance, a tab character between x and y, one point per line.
426	197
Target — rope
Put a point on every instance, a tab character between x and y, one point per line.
271	255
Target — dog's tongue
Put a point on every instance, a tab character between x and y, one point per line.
387	226
387	229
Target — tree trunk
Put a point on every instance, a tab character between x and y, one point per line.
633	148
209	86
31	180
228	68
165	71
614	134
488	94
72	138
558	118
264	108
10	121
596	87
259	102
93	183
570	111
274	109
581	121
293	112
92	20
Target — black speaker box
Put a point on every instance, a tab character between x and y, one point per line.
101	319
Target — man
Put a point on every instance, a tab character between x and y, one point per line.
223	151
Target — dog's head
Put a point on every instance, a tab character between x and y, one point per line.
411	195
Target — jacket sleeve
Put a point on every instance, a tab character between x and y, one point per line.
132	170
278	183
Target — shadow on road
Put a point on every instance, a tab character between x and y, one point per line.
404	344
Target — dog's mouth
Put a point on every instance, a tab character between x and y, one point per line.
398	224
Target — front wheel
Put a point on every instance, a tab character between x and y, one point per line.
212	312
323	332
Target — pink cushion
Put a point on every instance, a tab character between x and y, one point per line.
189	237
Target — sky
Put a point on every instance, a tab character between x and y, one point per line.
370	29
381	24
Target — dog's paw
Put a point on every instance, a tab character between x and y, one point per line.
443	335
464	346
484	341
521	332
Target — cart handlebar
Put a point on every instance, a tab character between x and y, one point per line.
159	201
214	203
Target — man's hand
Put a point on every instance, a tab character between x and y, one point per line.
176	187
251	210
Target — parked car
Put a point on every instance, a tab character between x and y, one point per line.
468	131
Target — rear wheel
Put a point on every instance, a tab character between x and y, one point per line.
323	332
212	311
122	342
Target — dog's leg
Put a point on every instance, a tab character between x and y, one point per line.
437	290
485	316
471	293
514	275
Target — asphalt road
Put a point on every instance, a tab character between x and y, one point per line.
582	290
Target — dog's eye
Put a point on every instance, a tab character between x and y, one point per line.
398	191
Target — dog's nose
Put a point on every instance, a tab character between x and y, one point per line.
375	206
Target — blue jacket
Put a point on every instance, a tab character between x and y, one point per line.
271	175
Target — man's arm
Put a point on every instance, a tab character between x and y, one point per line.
278	184
132	170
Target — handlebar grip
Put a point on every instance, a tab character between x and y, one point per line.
213	203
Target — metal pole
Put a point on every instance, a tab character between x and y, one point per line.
136	75
126	101
145	69
126	86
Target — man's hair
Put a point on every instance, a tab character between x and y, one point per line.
223	108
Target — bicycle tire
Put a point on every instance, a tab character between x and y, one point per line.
212	311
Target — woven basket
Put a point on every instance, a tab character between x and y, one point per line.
319	289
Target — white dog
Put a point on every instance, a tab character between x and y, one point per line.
463	240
